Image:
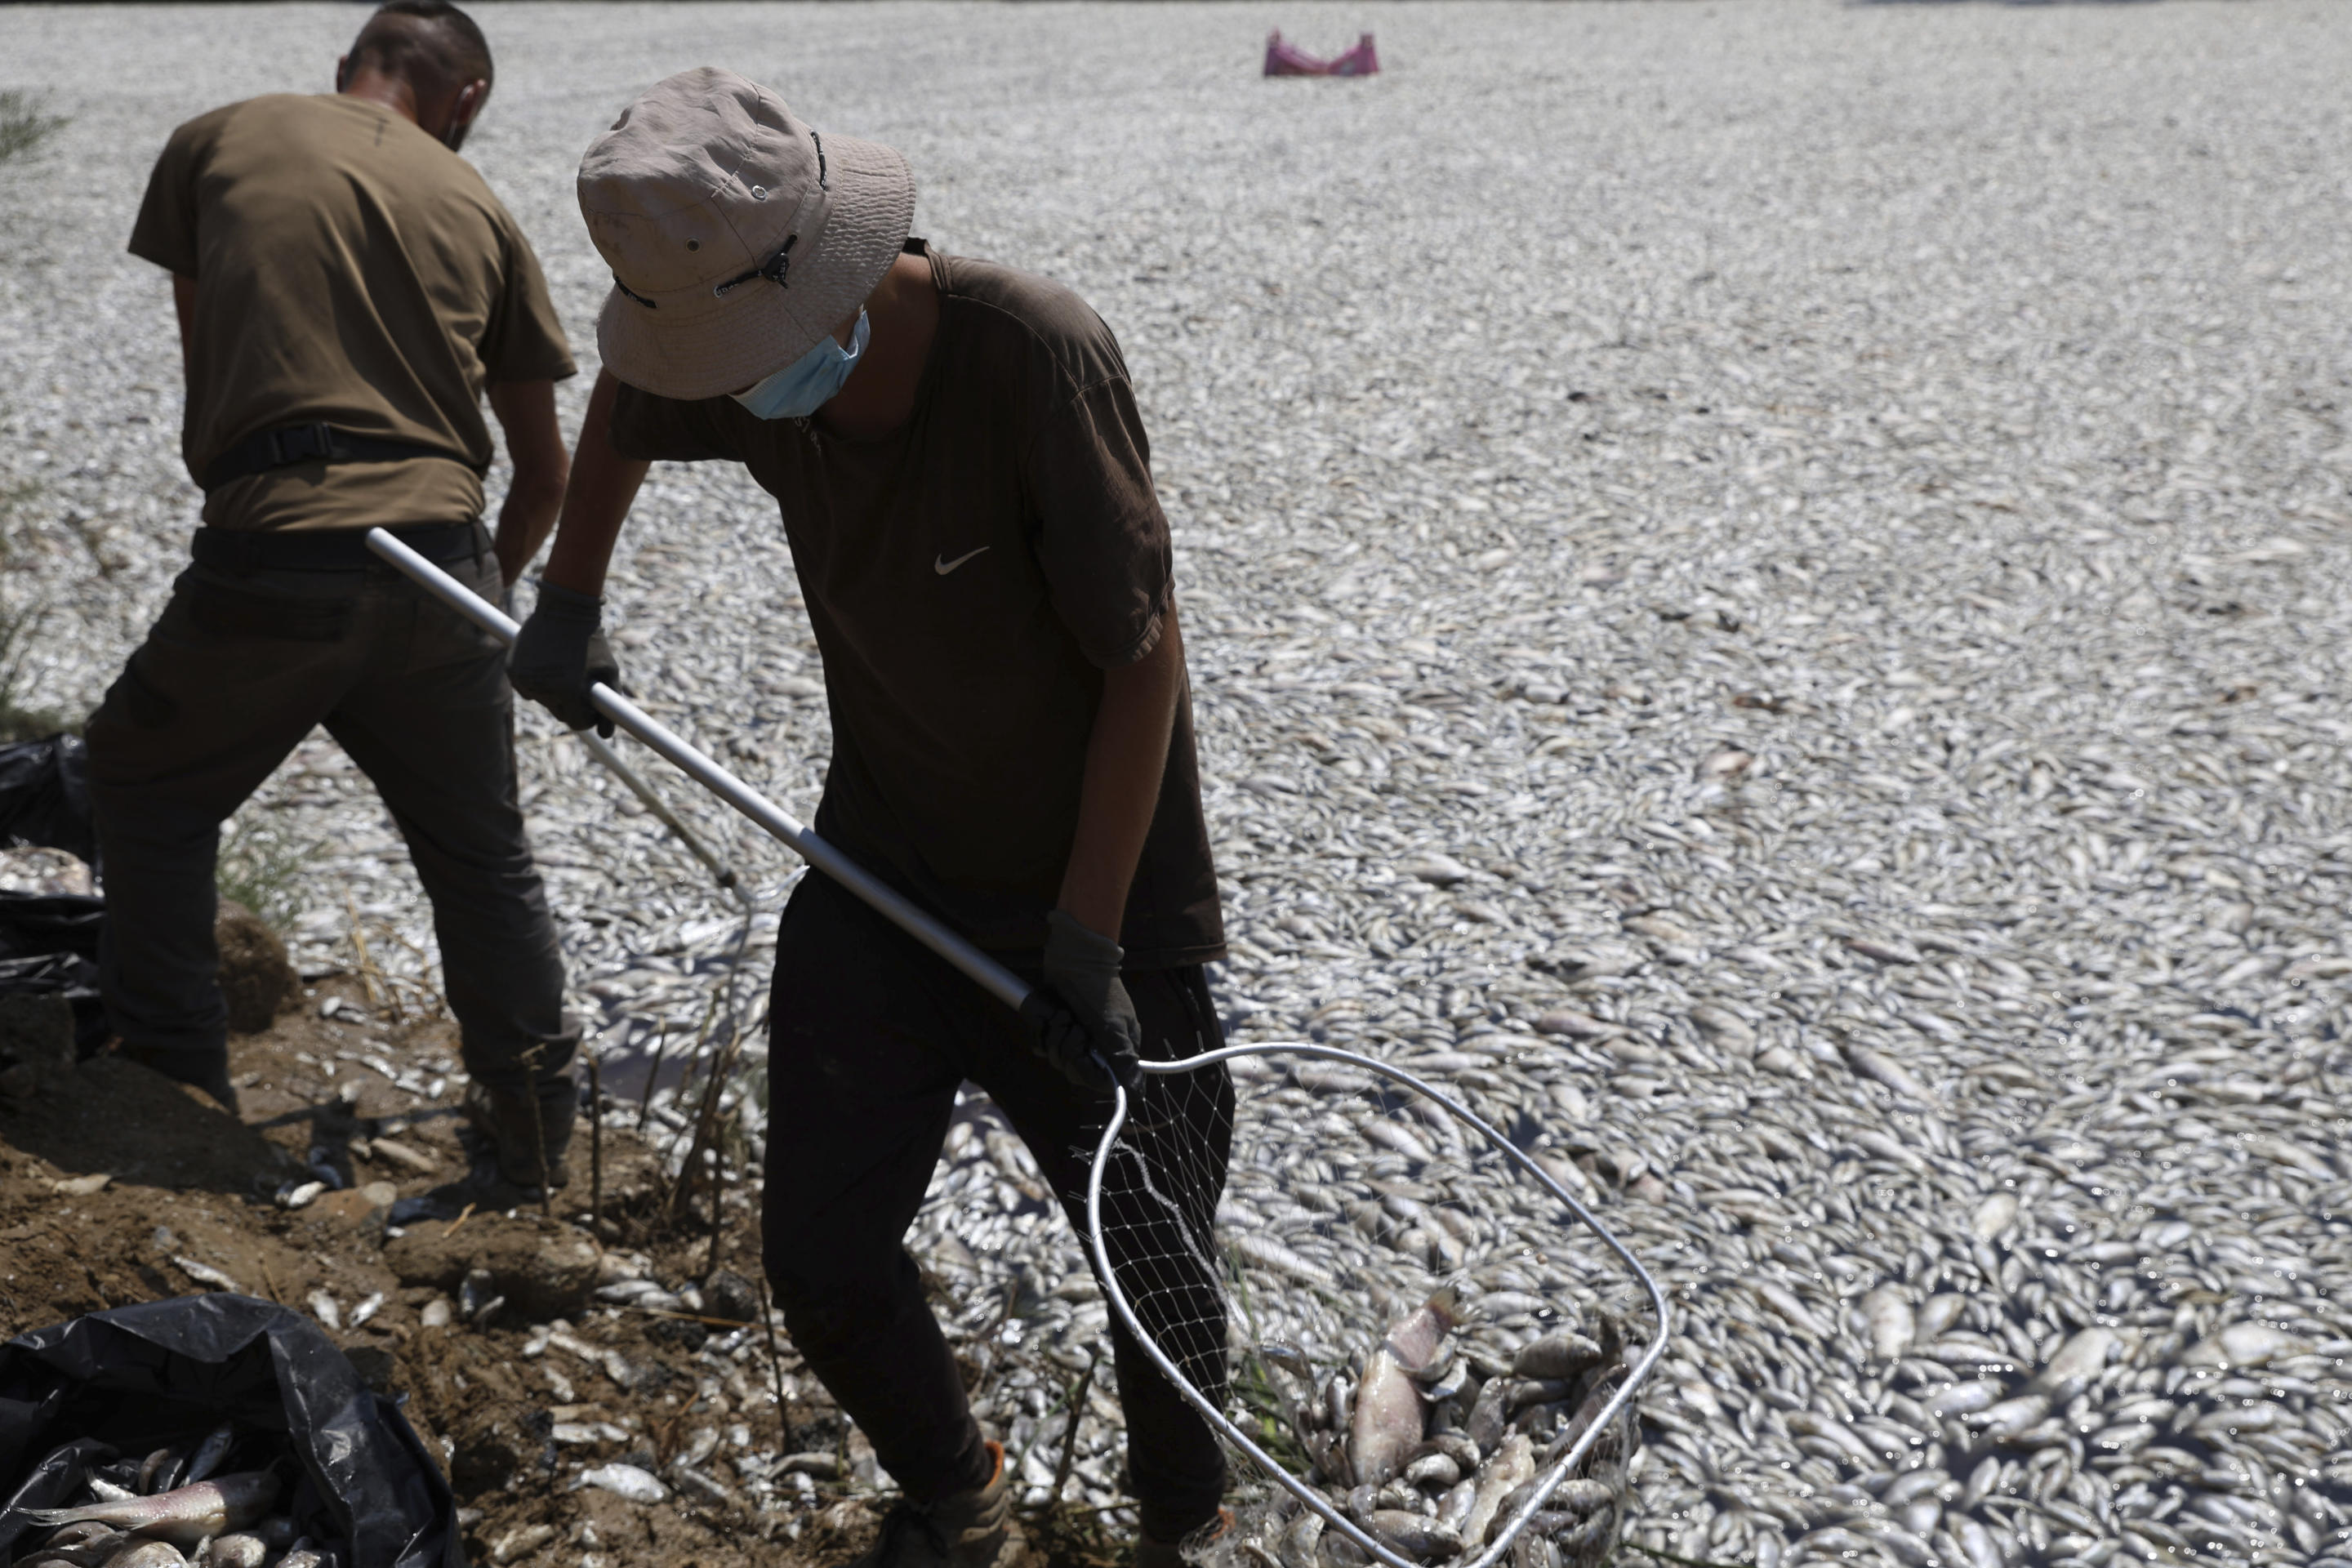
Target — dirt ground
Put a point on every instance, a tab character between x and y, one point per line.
117	1186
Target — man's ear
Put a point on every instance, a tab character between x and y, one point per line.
468	106
342	72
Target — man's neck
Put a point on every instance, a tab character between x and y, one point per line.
902	317
391	91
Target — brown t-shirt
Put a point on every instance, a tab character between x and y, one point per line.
350	270
970	577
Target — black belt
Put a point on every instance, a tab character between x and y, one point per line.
329	548
291	444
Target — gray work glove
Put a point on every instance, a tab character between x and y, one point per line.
1081	1018
559	653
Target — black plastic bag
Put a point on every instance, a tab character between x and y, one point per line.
44	796
49	943
34	925
78	1394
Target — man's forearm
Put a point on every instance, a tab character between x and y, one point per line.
525	520
596	502
1126	755
526	411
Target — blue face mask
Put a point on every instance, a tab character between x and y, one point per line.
808	384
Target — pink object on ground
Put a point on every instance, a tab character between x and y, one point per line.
1289	60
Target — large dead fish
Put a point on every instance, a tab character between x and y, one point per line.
1388	1416
183	1517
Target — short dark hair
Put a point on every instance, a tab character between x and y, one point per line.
428	42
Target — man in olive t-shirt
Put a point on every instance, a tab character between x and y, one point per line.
965	481
348	290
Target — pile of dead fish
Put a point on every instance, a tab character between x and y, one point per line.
176	1506
1433	1449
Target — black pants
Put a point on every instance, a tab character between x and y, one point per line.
242	665
871	1034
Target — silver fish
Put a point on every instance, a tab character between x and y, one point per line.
184	1515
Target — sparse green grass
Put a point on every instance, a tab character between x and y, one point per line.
258	866
24	125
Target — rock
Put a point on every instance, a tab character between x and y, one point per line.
541	1273
727	1294
256	980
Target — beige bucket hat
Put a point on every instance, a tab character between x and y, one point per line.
737	236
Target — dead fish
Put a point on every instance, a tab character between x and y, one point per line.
1437	1471
1886	1314
1488	1412
1939	1314
1454	1508
235	1549
624	1481
301	1554
1388	1416
1296	1546
1561	1355
183	1516
151	1472
90	1550
1510	1469
80	1533
1290	1358
105	1490
1993	1215
209	1454
1414	1534
147	1555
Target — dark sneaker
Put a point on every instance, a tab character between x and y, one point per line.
965	1530
1150	1553
513	1128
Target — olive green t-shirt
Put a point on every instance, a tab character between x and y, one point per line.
350	270
969	577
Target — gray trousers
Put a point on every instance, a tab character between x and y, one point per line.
243	663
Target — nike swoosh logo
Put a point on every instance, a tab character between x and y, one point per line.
943	565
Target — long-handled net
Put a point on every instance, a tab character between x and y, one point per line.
1368	1291
1381	1301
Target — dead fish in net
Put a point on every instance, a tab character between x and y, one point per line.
184	1515
1389	1414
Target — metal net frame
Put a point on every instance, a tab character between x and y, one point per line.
1150	1204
